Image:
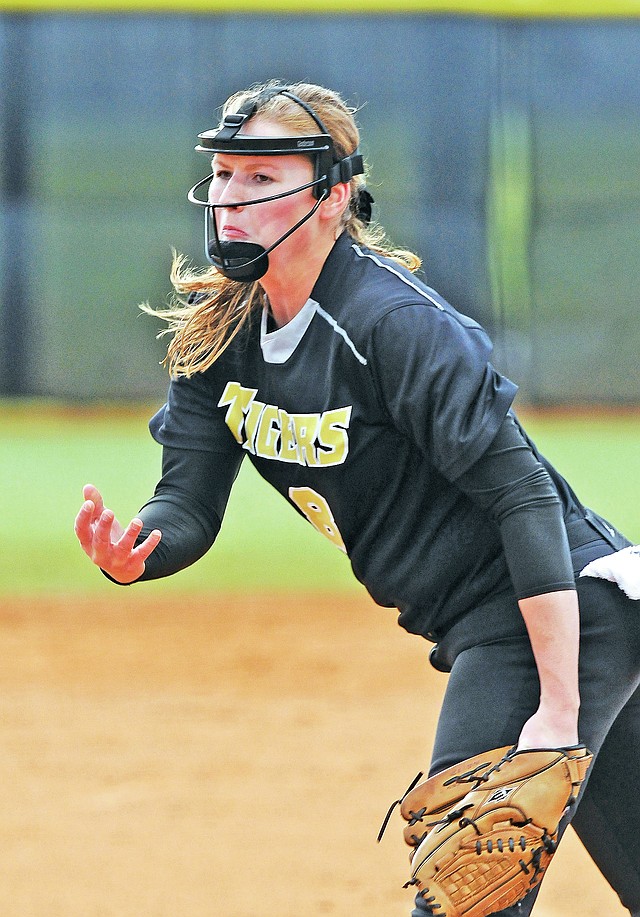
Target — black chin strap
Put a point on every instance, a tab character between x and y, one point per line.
246	261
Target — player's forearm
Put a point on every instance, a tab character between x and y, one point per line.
187	507
552	621
187	534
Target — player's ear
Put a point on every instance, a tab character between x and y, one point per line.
337	201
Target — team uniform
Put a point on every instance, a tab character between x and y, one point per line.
377	414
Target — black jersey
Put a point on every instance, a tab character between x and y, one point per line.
363	411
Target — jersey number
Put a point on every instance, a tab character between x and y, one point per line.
317	511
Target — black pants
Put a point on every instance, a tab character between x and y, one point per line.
493	689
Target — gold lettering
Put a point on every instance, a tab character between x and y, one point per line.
288	446
251	425
306	431
239	400
333	436
268	433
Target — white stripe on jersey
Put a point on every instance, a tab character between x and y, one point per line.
277	346
400	276
336	327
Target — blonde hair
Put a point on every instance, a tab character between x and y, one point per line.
207	310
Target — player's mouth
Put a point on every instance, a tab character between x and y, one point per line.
230	233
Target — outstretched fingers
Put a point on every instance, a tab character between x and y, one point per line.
102	537
84	524
110	546
127	543
91	493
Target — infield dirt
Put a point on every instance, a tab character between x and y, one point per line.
219	757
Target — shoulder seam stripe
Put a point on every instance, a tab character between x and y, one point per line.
336	327
397	274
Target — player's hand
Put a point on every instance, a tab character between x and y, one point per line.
110	546
549	730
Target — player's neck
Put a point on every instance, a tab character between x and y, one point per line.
289	281
285	307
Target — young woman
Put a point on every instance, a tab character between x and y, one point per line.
371	404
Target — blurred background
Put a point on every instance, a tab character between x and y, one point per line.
504	150
503	140
159	743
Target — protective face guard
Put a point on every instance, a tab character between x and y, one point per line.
248	261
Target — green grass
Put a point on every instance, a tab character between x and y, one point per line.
599	454
47	452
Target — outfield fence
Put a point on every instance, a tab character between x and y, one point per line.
503	139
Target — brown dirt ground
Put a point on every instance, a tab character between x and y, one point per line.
218	757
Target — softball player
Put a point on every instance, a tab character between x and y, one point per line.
311	347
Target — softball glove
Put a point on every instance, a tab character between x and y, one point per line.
495	829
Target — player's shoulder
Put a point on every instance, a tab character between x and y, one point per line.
365	289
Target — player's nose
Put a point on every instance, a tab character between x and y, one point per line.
230	196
